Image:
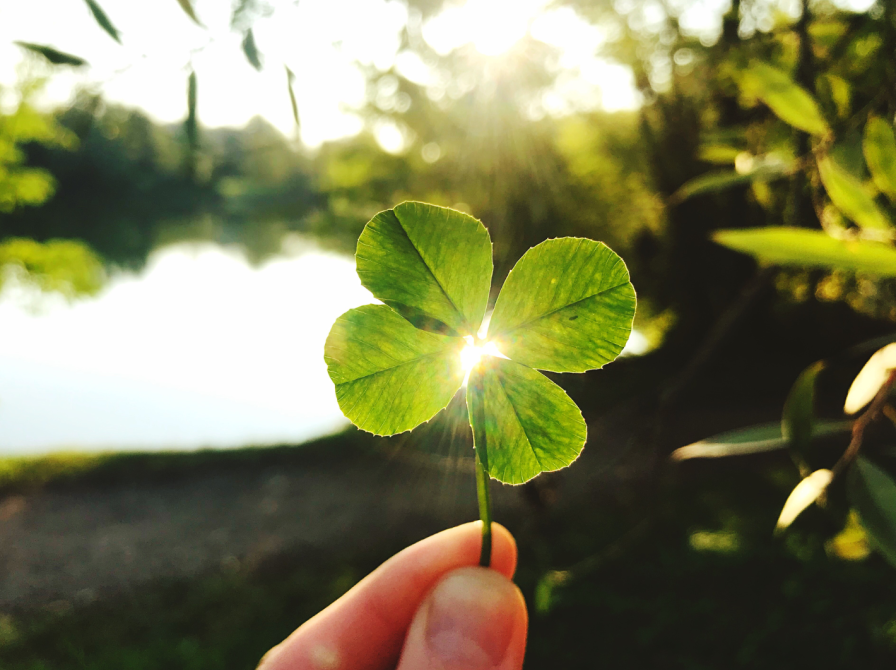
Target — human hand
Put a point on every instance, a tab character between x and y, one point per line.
429	607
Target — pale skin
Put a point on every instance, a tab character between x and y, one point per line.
429	607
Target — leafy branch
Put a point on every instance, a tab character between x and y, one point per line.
876	408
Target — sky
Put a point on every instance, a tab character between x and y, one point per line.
320	40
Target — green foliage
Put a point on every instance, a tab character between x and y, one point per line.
103	20
191	125
711	182
753	440
64	266
25	186
567	305
798	419
789	101
290	82
873	493
871	489
187	6
251	50
21	185
52	55
849	196
811	248
880	154
720	180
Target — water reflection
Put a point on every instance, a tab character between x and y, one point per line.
201	349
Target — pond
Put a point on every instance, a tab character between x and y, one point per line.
200	349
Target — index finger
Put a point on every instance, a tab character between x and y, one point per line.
365	628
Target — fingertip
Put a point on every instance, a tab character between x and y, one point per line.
472	619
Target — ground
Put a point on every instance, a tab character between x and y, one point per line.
205	560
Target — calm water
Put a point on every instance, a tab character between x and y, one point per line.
199	350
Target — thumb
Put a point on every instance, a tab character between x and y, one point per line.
474	619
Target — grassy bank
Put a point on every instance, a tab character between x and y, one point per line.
700	584
26	474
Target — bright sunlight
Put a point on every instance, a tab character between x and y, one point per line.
492	26
472	354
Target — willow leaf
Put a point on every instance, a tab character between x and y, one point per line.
798	420
103	20
250	49
790	102
290	80
849	196
811	248
187	6
879	146
872	492
54	56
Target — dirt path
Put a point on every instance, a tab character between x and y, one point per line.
80	543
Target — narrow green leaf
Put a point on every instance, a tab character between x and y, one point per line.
720	180
870	379
522	421
848	195
872	492
428	261
790	102
879	146
752	440
187	6
191	127
811	248
710	182
103	20
290	80
838	91
53	55
567	306
719	154
191	124
804	494
799	411
251	50
390	377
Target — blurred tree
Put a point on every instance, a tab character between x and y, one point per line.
66	267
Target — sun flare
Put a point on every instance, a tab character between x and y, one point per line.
471	354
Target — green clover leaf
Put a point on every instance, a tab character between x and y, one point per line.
567	306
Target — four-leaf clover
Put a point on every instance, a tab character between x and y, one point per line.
567	306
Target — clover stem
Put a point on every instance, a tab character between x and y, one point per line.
476	408
485	512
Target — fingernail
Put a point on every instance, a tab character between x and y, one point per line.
471	618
